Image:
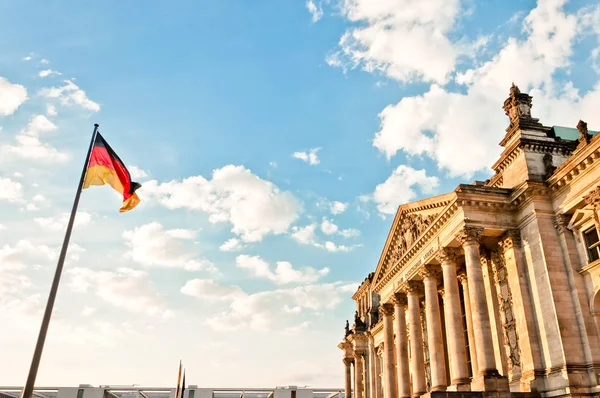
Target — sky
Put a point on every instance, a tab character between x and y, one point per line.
274	141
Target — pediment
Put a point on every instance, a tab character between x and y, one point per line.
412	220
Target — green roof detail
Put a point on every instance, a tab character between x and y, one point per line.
569	133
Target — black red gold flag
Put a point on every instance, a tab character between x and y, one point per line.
105	167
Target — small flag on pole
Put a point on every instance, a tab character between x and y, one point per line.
105	167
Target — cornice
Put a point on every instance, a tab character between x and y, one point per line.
364	286
528	190
578	162
556	146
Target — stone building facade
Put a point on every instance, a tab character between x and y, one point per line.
492	289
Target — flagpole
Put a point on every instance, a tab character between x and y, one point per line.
39	347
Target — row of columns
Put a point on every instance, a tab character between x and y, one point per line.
404	309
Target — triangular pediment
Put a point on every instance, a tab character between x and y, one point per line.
412	220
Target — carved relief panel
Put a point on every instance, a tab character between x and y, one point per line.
509	327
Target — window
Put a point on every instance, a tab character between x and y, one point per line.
191	393
593	244
80	393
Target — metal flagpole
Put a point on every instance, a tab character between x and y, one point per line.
39	347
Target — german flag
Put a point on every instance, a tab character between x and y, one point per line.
105	167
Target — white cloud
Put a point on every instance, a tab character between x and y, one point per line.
315	11
232	245
11	191
70	94
136	172
11	97
284	272
264	310
153	246
306	236
254	207
88	311
124	288
28	58
59	222
398	188
51	110
29	145
182	233
14	281
309	157
48	72
403	39
211	290
338	207
39	198
44	61
3	227
328	227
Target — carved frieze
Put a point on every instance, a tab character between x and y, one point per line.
411	227
509	327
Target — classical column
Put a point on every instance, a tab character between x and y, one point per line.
359	370
457	346
469	238
348	378
437	358
417	362
402	367
389	371
372	367
462	278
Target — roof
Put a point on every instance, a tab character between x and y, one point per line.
569	133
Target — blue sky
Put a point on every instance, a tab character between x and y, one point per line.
290	130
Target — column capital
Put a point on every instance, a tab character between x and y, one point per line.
413	287
447	255
462	277
386	309
348	361
429	272
511	238
469	235
441	291
400	299
561	222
